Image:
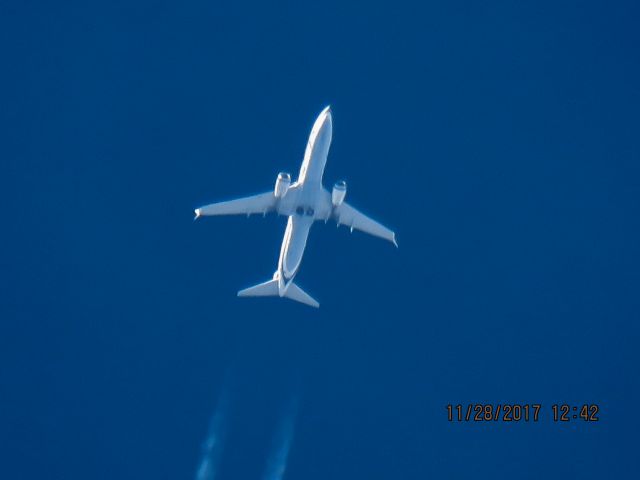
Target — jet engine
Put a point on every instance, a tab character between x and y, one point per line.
282	184
338	193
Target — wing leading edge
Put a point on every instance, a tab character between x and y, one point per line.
345	214
261	203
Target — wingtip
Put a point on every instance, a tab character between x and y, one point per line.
197	213
313	304
395	242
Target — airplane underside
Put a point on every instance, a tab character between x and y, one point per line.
304	202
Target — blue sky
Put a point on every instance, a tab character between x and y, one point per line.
500	141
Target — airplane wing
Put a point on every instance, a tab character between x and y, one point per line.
345	214
261	203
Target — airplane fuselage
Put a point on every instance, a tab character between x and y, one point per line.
304	202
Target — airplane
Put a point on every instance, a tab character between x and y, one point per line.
304	201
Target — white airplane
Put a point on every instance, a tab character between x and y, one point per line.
304	202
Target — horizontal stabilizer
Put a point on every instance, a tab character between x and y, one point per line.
294	292
266	289
270	289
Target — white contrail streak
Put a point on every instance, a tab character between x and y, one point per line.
212	446
277	463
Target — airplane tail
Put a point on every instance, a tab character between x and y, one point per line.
294	292
270	289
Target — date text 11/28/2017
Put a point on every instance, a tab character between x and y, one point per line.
526	412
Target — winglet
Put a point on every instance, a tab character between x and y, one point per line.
198	214
395	242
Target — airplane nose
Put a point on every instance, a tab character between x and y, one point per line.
328	119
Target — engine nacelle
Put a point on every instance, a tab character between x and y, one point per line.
282	184
338	193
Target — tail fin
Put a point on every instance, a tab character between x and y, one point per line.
270	289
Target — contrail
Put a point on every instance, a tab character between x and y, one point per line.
277	463
212	446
